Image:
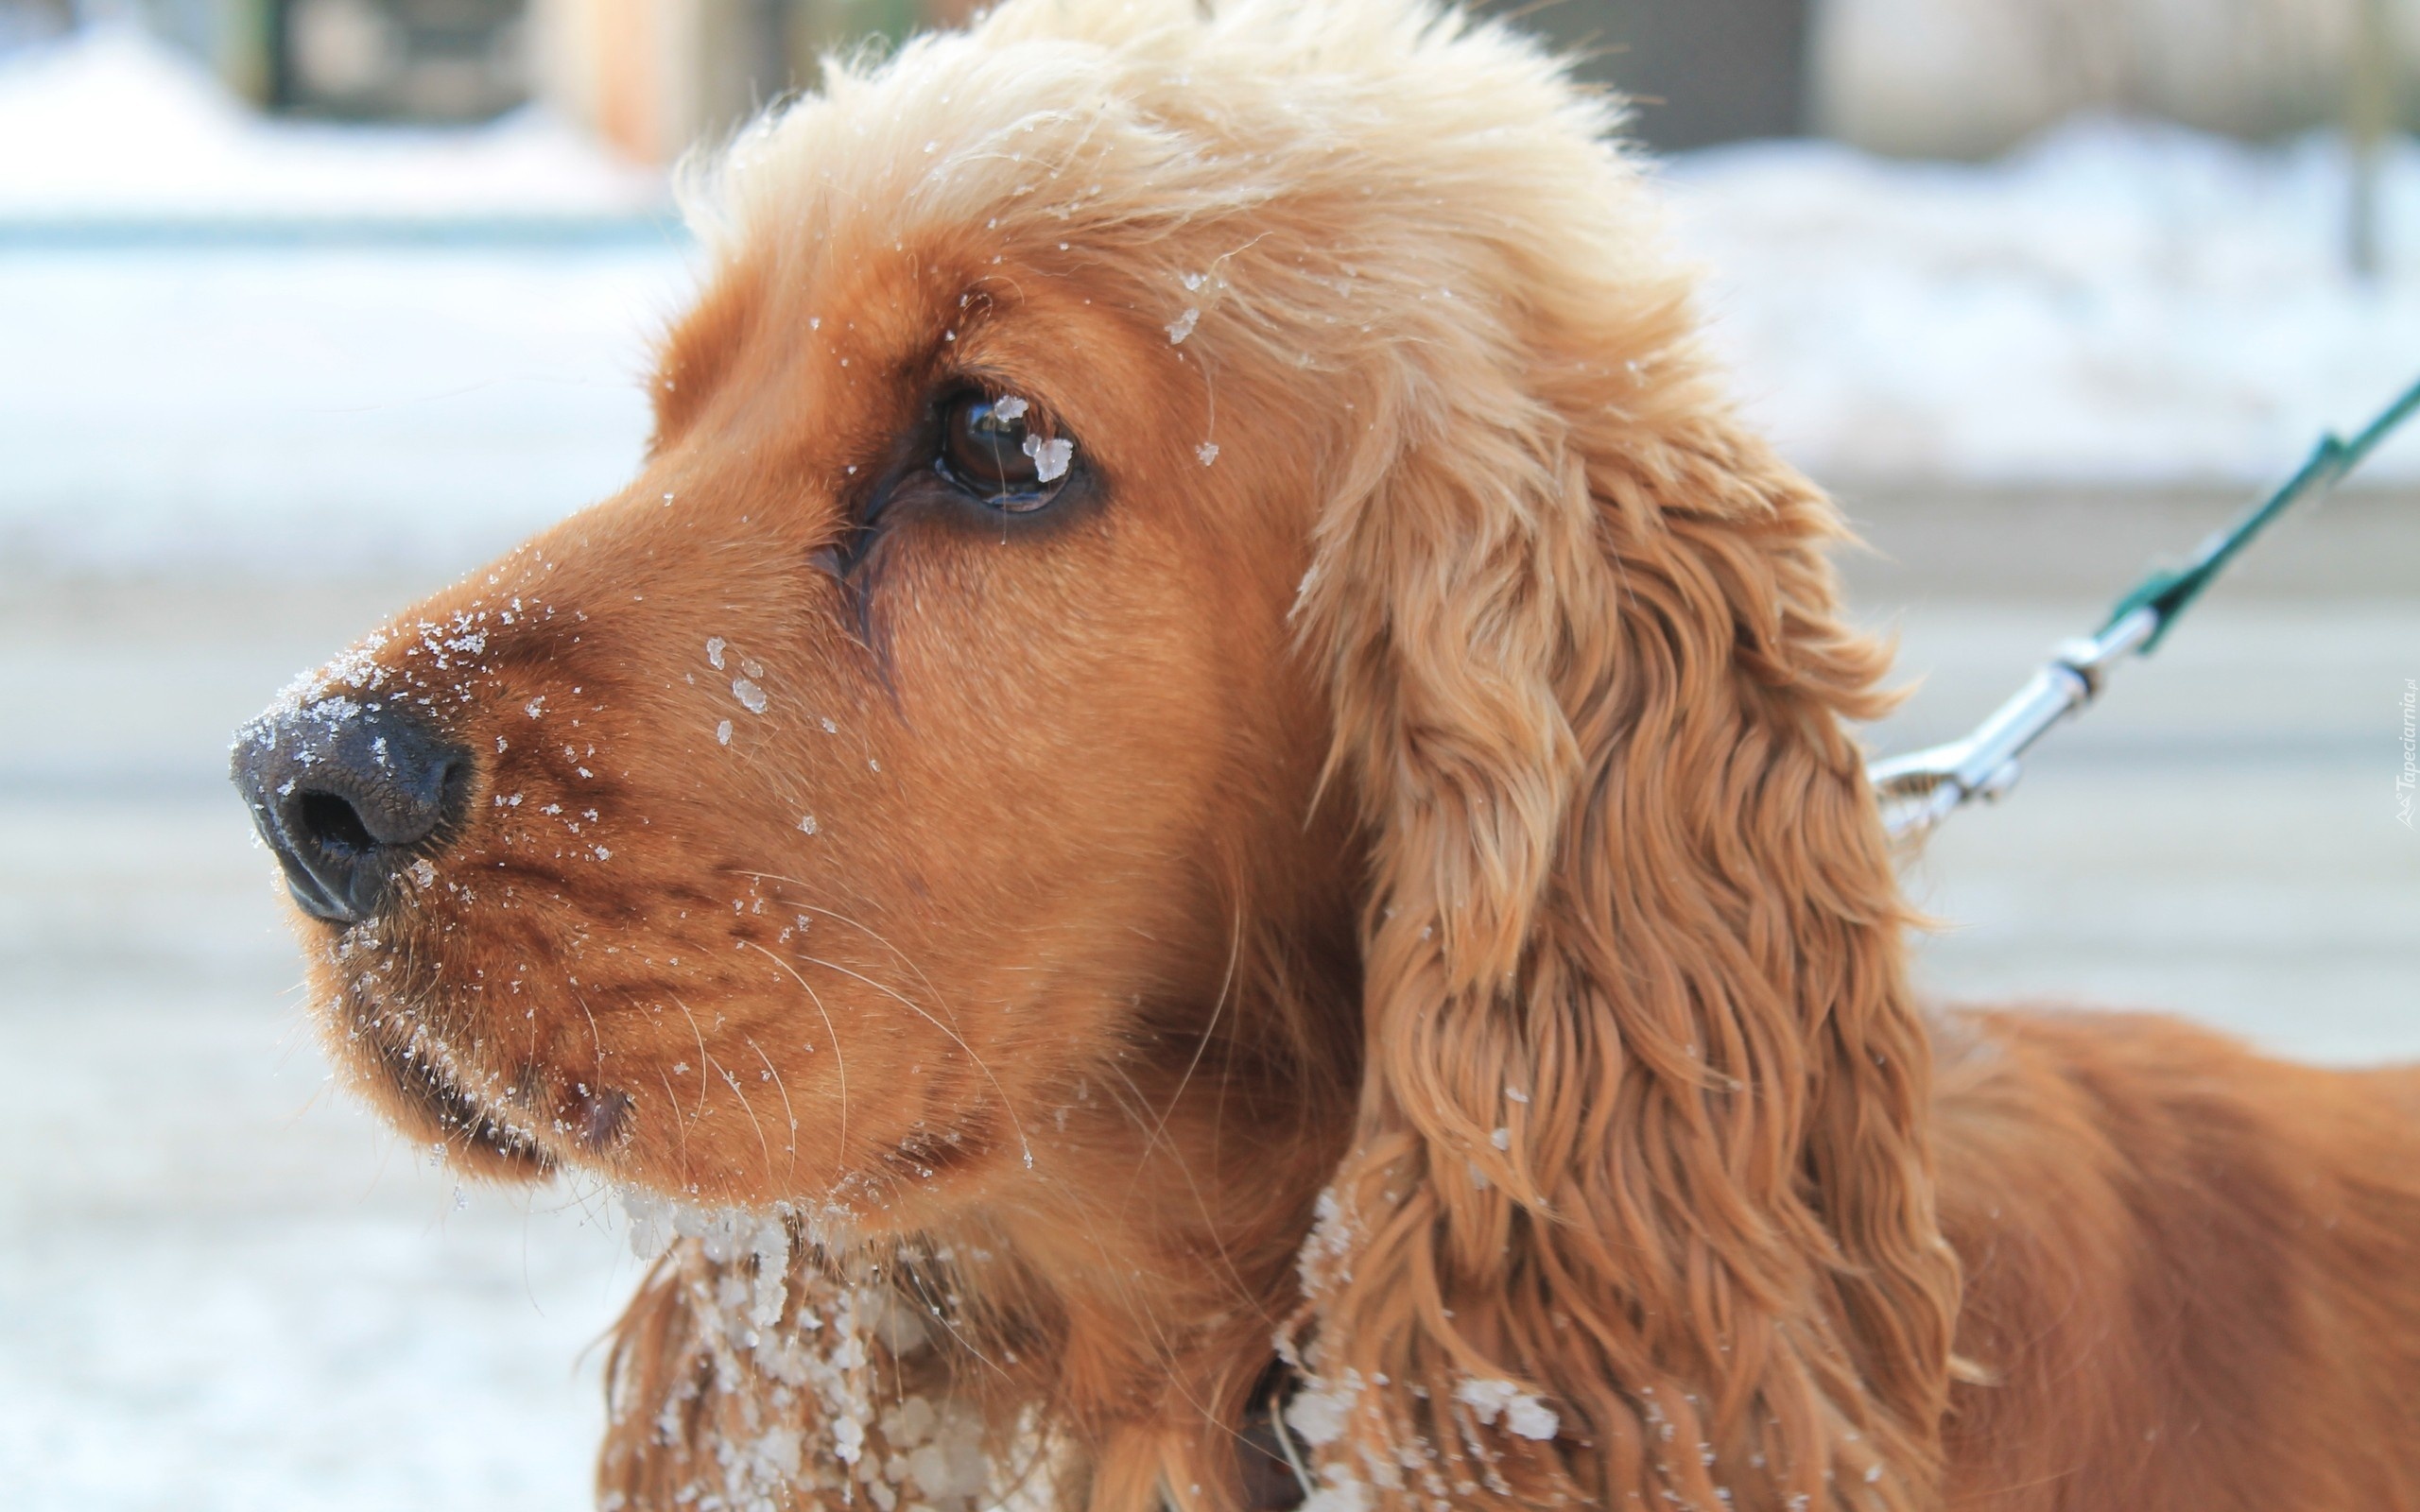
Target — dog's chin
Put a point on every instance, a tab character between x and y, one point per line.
420	1090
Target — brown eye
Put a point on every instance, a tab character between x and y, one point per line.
1000	449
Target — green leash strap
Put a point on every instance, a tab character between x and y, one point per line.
1920	789
2169	592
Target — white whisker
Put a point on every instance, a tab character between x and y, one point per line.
1005	1103
840	1061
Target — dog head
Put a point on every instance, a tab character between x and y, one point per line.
1168	531
910	729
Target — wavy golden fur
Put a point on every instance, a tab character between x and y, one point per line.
1378	872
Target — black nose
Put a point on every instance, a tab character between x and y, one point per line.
349	794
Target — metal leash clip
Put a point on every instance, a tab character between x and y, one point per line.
1918	790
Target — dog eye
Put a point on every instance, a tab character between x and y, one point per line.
1003	450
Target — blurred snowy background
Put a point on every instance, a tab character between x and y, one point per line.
308	305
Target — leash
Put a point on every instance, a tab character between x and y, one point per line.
1920	789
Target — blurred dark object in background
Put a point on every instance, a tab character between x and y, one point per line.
1697	72
656	76
23	21
412	60
1701	71
1969	79
1957	78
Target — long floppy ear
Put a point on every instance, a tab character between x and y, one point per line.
1639	1208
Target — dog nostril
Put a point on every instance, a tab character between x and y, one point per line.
333	824
348	795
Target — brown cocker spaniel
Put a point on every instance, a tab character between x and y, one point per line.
1194	842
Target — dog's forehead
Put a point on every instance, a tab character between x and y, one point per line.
991	158
952	135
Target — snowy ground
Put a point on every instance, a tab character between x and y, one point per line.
221	1288
2115	303
275	348
129	131
320	409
